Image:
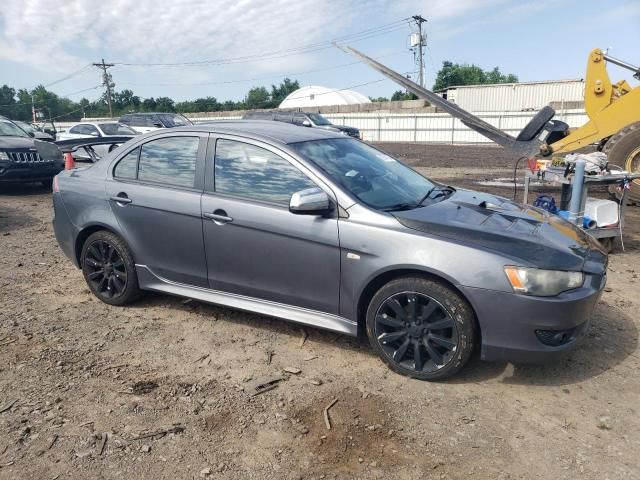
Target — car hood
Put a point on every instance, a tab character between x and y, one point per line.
14	143
522	232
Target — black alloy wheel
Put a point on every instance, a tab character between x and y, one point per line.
108	268
416	332
105	269
421	328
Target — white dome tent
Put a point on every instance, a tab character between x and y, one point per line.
315	96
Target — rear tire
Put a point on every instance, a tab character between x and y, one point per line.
108	268
421	328
623	150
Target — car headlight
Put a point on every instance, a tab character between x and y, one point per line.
542	283
4	156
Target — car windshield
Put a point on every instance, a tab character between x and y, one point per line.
10	129
116	129
174	120
319	119
26	127
372	176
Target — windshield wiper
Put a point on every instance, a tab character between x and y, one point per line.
442	191
401	206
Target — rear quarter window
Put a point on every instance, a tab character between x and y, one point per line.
127	167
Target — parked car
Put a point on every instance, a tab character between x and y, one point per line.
34	131
99	130
356	241
303	119
150	121
25	159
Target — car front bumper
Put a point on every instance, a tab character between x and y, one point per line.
11	172
527	329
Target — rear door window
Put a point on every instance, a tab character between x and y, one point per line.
255	173
169	161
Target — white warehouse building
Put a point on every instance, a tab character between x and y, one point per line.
315	96
514	97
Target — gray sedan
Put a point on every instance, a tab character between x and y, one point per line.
313	227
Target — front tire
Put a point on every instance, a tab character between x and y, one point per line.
623	150
421	328
108	268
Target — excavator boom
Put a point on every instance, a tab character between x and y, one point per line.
526	148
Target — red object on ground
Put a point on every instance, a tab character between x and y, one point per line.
68	161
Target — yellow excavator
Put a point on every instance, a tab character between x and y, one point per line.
613	110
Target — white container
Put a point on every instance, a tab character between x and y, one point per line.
604	212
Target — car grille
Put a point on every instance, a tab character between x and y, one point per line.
26	157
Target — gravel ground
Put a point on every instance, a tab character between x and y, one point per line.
162	389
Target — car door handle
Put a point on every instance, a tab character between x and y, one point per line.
218	217
121	198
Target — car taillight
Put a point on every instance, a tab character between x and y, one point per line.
55	186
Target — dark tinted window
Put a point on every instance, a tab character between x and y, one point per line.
256	173
9	129
126	120
372	176
173	120
171	161
126	168
283	117
116	129
299	118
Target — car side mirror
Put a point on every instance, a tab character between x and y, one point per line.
158	124
94	134
306	123
311	201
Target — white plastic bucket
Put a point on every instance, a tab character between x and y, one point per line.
604	212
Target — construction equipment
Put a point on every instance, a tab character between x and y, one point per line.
613	110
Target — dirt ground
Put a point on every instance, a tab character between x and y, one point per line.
162	389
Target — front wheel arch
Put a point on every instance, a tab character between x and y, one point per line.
385	277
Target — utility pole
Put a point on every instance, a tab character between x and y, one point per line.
422	41
33	110
106	81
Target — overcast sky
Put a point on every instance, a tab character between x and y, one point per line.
41	41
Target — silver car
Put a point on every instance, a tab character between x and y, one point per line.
101	129
325	230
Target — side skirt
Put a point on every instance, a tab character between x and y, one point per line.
150	281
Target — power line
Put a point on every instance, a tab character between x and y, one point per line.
80	91
256	79
309	48
67	77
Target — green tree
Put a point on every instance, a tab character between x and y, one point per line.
402	95
379	99
149	104
454	74
125	100
165	104
7	101
279	93
258	97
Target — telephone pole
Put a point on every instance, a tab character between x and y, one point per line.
106	81
421	42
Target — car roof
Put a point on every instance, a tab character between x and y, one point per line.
266	129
